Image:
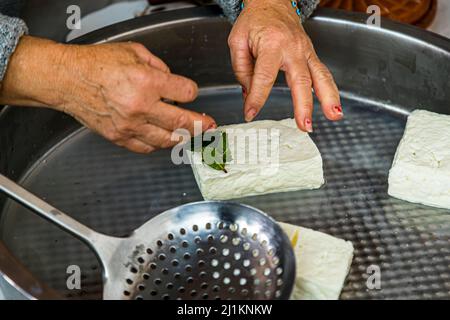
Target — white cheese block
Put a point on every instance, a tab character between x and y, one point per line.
293	162
322	263
420	172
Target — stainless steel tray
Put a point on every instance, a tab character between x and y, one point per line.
114	191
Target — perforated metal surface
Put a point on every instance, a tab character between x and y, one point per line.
114	191
235	257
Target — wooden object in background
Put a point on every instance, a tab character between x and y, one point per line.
417	12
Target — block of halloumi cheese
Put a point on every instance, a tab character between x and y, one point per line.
322	263
420	172
267	156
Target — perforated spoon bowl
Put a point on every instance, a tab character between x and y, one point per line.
202	250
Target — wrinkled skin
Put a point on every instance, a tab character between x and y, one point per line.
114	89
120	90
268	37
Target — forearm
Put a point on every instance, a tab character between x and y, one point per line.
232	8
16	69
34	73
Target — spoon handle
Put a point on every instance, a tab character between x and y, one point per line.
47	211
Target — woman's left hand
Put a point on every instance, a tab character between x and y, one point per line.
268	37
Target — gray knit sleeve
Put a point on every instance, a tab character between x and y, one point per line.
232	8
11	29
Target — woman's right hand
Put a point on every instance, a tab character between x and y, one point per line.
114	89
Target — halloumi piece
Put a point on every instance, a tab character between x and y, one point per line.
322	263
291	163
420	172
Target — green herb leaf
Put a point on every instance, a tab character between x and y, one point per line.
218	150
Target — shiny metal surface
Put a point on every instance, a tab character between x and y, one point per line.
203	250
383	74
18	283
210	250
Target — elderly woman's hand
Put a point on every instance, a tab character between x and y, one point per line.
268	37
117	90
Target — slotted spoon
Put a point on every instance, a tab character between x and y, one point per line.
202	250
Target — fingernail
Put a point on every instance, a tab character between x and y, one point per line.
250	115
308	125
338	110
212	126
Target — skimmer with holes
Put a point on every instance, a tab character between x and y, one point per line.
202	250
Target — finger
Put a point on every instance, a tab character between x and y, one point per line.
266	70
155	136
325	88
137	146
158	63
149	58
242	63
300	82
174	87
171	118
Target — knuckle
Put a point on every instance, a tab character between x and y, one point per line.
265	78
140	76
138	147
181	120
303	80
114	136
311	60
124	127
137	46
240	74
163	81
166	143
133	107
310	54
147	149
322	72
235	40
